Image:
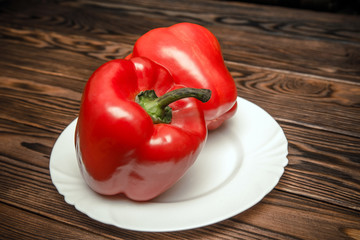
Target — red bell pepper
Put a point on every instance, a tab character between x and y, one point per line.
193	56
128	140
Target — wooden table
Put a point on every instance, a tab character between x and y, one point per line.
302	67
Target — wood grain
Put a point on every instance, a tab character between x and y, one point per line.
22	224
274	217
323	102
302	67
247	32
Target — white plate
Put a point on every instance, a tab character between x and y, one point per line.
241	162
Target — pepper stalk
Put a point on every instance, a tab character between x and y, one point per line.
158	107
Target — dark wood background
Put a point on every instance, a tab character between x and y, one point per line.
301	66
334	6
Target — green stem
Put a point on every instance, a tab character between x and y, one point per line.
170	97
158	107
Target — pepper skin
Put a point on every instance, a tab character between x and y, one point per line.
193	56
119	148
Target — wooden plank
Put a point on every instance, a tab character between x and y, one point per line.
299	218
307	100
53	62
304	98
251	17
280	215
23	100
19	224
323	166
314	45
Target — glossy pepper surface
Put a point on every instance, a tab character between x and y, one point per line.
119	147
193	56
